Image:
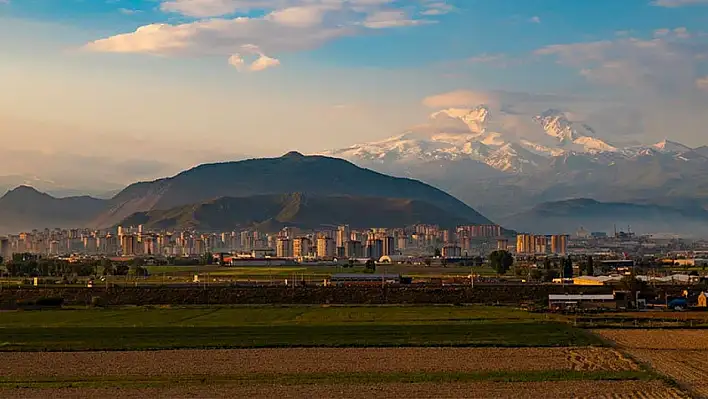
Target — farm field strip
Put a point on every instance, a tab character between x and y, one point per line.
478	389
215	363
679	354
481	334
215	316
657	339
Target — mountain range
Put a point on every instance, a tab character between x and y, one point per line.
277	191
504	162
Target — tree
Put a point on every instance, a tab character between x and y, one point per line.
107	267
550	275
121	269
443	262
501	261
547	264
590	267
370	266
536	274
428	262
568	268
207	259
139	271
437	253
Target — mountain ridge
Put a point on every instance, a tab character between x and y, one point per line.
25	208
293	172
295	210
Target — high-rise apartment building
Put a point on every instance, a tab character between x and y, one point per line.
284	248
128	245
374	249
301	247
559	244
343	235
325	247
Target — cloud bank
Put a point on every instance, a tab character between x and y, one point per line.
235	29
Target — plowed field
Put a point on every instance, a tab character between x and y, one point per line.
679	354
308	360
532	390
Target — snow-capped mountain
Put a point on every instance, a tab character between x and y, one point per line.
505	141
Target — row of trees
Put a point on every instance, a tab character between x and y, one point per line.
29	265
502	261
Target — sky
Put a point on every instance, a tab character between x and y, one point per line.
118	90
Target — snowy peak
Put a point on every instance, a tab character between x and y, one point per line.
476	118
510	142
556	124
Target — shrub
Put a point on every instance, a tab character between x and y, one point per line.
50	302
97	302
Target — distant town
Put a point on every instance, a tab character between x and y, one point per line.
418	244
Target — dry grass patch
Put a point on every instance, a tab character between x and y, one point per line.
307	360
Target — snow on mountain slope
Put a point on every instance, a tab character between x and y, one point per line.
507	142
557	125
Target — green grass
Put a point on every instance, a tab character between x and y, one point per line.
330	378
145	328
225	316
484	334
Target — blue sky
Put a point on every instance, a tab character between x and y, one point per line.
210	79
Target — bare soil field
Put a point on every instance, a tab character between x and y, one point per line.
574	389
658	339
307	360
679	354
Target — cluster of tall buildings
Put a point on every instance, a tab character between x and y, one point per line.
323	243
529	244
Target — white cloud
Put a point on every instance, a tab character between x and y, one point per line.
437	8
535	19
392	19
668	63
264	62
285	25
461	98
702	83
678	3
302	17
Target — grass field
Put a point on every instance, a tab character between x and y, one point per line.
311	351
310	272
297	326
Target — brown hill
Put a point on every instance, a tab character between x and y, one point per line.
273	212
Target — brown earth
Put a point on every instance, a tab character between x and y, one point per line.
308	360
575	389
658	339
679	354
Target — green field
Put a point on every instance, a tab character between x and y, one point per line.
297	326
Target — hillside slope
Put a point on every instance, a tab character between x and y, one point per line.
311	175
273	212
25	208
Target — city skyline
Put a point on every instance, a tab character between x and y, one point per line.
137	88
